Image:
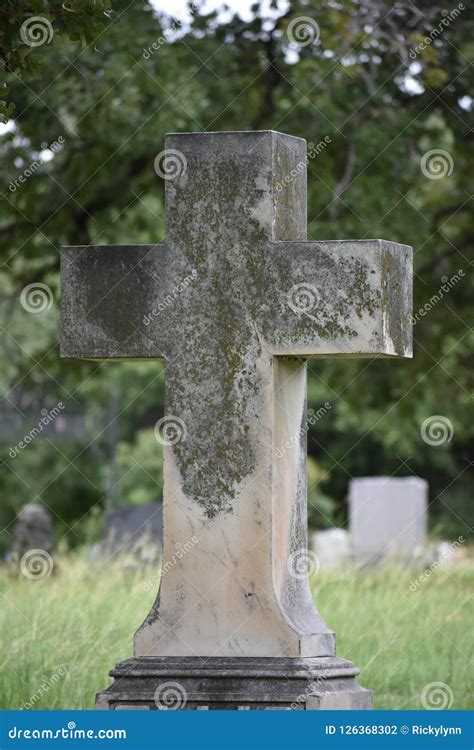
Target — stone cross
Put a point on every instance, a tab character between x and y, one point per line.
235	301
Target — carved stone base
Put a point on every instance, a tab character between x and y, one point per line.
239	683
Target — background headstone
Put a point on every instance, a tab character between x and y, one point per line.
133	530
388	518
33	530
332	548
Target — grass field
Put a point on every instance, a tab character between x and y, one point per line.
60	635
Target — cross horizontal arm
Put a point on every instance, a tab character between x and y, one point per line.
110	301
351	298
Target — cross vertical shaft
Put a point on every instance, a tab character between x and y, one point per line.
237	403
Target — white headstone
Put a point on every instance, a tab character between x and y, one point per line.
331	547
388	518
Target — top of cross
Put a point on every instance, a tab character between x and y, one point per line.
236	223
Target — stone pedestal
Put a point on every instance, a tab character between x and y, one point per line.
238	684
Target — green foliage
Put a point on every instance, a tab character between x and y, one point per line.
27	25
112	103
61	476
140	469
321	508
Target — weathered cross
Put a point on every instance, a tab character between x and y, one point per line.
261	301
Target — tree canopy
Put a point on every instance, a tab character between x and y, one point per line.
386	87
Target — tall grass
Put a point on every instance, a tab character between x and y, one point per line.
60	635
403	640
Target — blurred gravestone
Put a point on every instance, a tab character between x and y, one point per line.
133	529
234	624
388	518
331	547
33	530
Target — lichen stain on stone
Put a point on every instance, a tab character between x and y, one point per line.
215	386
395	298
94	281
241	294
345	295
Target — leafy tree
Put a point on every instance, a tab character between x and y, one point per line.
369	81
27	25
